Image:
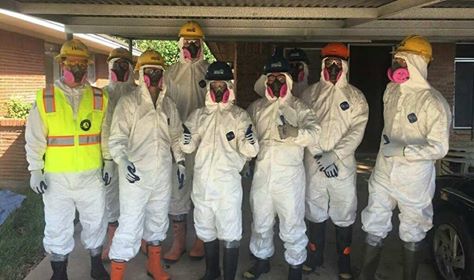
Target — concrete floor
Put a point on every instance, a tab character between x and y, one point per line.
390	267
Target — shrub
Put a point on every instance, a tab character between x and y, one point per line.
17	108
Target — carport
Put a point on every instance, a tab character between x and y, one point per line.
246	32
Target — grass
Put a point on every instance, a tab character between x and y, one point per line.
21	236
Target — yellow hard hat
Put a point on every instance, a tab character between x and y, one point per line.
191	30
76	48
120	53
418	45
150	57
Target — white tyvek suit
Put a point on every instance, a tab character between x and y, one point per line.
217	189
115	91
342	112
66	192
144	135
297	90
279	182
417	116
183	80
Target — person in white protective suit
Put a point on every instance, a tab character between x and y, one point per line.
185	86
342	112
121	82
285	126
298	63
63	139
416	134
145	129
224	139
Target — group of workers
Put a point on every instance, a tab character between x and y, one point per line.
127	157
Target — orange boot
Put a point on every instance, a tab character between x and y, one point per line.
179	242
154	268
117	270
110	235
197	252
143	247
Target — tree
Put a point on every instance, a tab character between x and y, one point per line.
168	49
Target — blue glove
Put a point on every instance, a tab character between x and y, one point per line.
249	135
181	173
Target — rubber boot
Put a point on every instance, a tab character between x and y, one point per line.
117	270
197	252
179	242
260	267
59	270
317	240
144	247
154	267
111	228
212	260
98	271
231	259
295	272
411	259
343	249
370	260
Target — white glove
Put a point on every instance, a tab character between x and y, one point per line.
326	159
181	174
286	130
186	135
393	149
130	171
249	135
37	182
331	171
108	171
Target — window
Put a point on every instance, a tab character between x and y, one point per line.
464	87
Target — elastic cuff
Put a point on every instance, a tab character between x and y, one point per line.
413	246
58	257
113	224
96	251
374	240
153	243
232	244
178	218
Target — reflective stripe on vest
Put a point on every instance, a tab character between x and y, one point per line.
61	140
98	99
90	139
48	99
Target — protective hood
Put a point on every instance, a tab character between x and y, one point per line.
418	69
130	79
289	86
227	100
182	59
342	82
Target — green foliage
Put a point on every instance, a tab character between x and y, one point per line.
21	246
168	49
17	108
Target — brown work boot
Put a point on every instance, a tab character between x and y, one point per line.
197	252
143	247
179	243
117	270
110	235
154	268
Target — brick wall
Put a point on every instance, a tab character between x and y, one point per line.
21	67
13	165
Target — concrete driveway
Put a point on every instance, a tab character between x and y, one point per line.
390	267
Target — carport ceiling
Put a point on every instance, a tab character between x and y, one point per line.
290	20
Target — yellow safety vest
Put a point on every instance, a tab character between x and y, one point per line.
73	145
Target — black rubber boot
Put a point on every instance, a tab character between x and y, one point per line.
98	271
295	272
212	260
343	248
59	270
317	240
370	261
411	259
231	259
260	267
